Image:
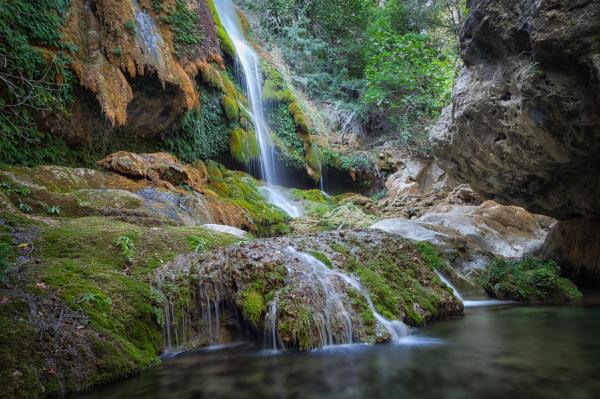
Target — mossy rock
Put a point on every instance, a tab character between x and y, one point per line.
110	315
529	280
243	190
230	106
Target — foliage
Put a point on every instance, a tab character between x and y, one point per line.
131	27
127	247
32	80
186	28
201	133
528	280
198	244
380	67
407	78
287	140
53	210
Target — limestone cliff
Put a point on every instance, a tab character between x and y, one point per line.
524	126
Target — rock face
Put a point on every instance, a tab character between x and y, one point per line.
575	245
524	126
150	189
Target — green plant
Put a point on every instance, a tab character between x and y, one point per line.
528	280
32	78
23	207
131	27
198	244
127	248
157	6
53	210
186	28
117	51
95	298
201	133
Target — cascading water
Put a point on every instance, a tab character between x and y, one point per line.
250	65
335	308
470	304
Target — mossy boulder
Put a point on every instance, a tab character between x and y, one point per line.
529	280
294	289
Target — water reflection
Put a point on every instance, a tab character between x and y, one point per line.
507	352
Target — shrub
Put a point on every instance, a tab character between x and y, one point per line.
528	280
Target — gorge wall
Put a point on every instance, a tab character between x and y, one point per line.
524	125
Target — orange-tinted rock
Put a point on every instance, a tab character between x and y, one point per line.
162	169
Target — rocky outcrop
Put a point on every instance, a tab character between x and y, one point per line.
469	236
150	189
303	292
524	126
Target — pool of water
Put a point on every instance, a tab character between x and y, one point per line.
503	352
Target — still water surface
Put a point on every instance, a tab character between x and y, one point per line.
504	352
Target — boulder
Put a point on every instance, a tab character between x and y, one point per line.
524	126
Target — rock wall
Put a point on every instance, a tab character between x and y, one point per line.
524	125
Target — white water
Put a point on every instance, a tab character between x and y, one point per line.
471	304
250	65
335	307
277	197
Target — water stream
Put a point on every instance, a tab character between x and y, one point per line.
471	303
249	62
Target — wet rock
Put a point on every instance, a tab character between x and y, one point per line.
301	292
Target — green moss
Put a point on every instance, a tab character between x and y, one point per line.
243	146
224	39
242	190
232	111
528	280
253	306
22	367
311	195
392	276
430	255
186	28
386	302
296	328
7	254
323	258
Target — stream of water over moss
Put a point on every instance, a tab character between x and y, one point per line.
503	352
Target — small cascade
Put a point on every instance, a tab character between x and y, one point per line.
467	303
148	35
250	66
336	308
278	198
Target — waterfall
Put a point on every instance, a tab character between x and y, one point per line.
470	304
250	65
335	307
